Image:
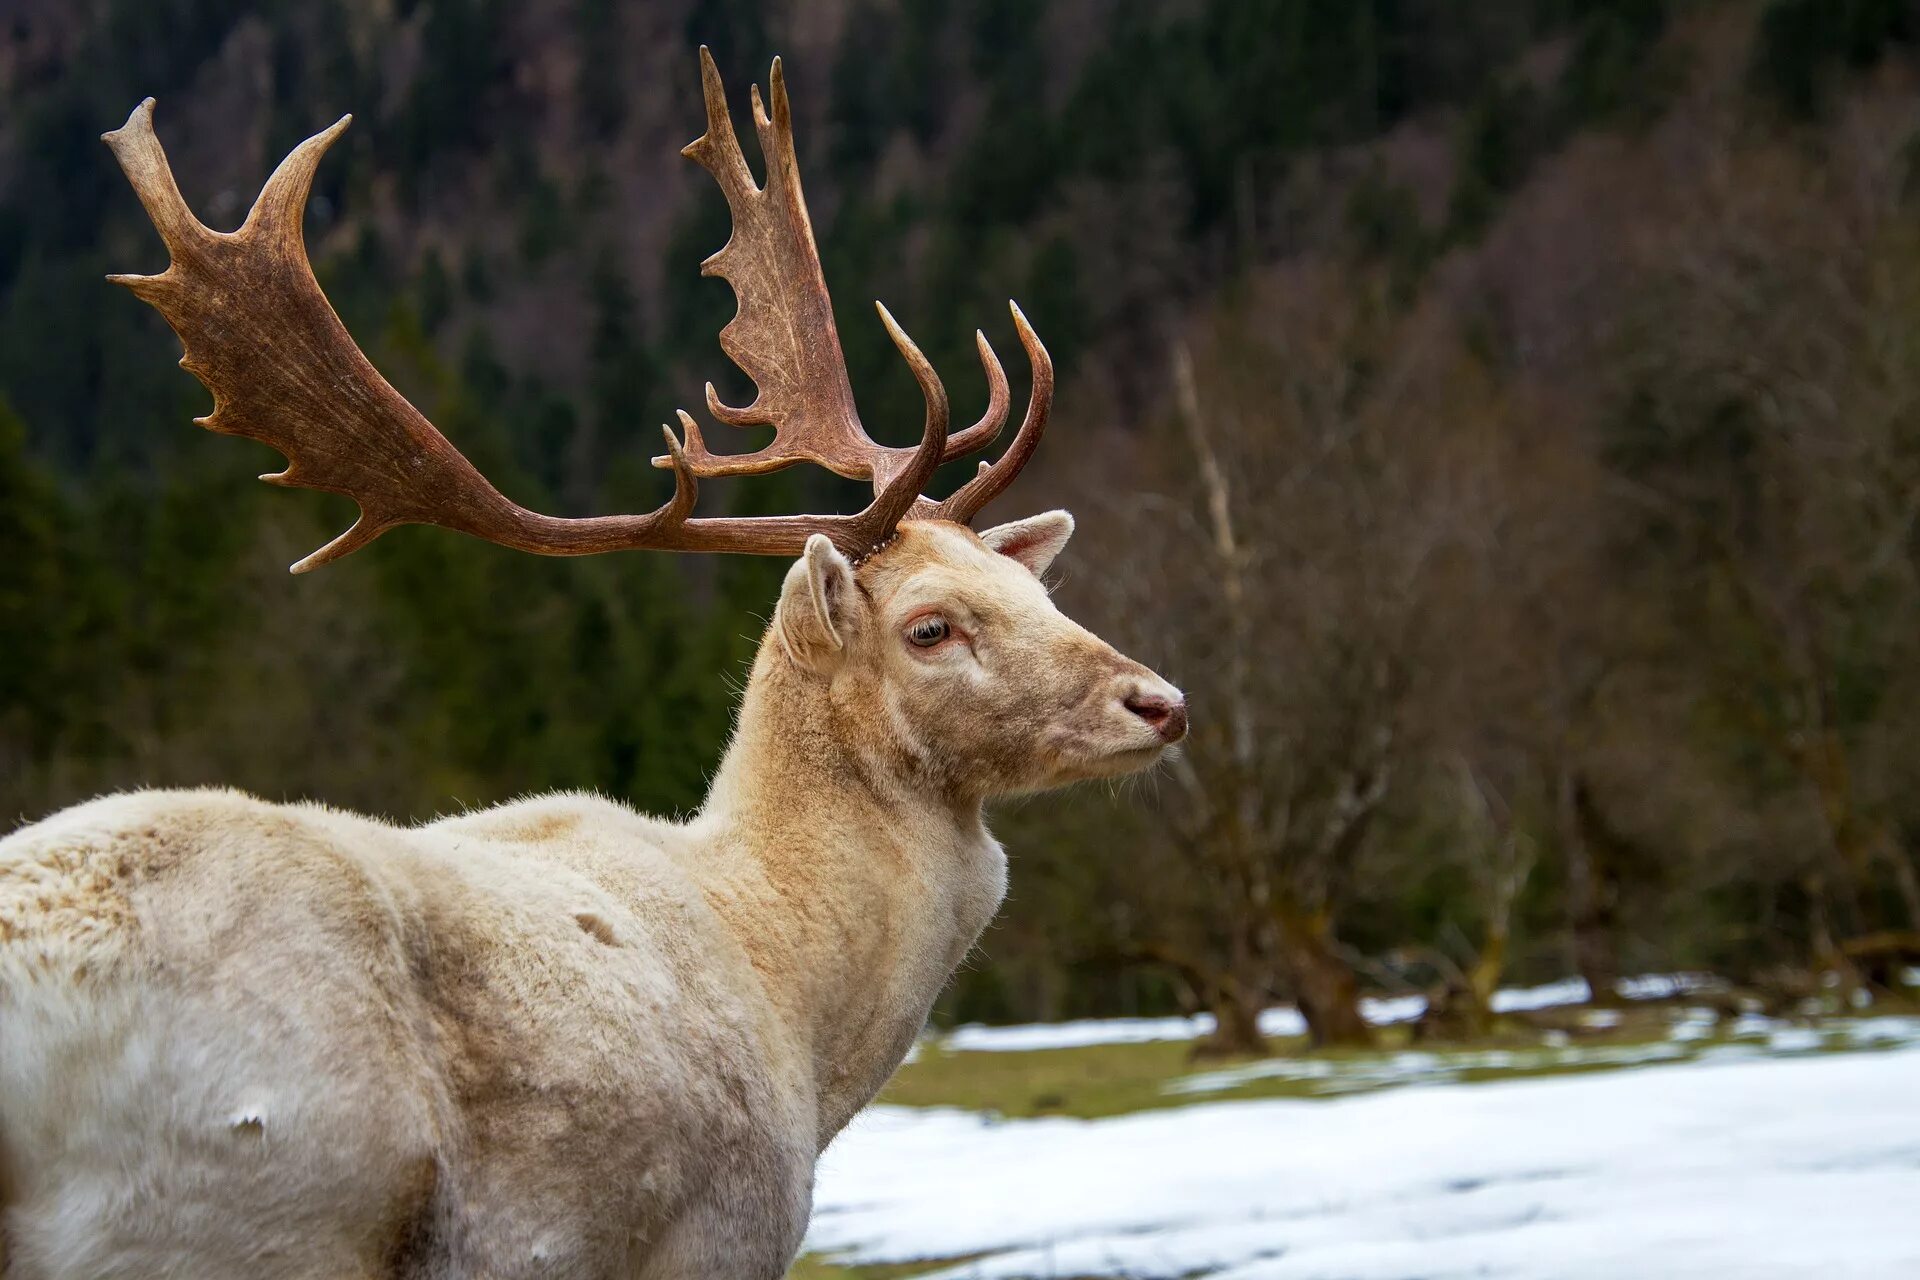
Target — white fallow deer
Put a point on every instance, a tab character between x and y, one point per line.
557	1038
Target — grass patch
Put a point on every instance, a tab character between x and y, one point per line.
809	1266
1094	1081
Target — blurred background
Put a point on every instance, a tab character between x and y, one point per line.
1503	419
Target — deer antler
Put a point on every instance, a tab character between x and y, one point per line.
784	336
258	331
992	479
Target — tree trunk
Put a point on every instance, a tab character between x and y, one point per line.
1825	765
1234	1004
1323	983
1826	953
1236	1022
1906	881
1592	888
1483	979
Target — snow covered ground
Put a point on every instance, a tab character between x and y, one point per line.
1282	1021
1738	1166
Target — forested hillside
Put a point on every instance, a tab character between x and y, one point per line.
1503	418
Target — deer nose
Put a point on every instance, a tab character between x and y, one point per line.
1166	715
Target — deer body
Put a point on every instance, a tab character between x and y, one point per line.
283	1041
556	1038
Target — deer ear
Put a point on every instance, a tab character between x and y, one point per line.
1034	542
819	606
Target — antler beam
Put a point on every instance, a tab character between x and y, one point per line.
258	331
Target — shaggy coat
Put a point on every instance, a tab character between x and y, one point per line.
556	1038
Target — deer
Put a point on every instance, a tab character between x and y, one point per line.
557	1037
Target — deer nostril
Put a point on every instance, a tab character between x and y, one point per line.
1150	707
1168	716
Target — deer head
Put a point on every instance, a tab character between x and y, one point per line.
943	659
904	615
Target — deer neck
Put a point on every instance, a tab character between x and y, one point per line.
854	889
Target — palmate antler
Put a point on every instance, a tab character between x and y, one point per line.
784	336
258	331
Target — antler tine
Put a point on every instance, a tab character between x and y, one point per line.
999	399
137	148
992	480
718	149
362	531
282	203
776	132
897	492
686	486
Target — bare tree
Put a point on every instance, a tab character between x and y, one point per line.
1290	562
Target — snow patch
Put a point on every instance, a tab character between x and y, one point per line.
1708	1169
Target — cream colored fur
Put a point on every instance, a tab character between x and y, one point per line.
556	1038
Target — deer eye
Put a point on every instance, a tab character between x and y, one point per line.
928	631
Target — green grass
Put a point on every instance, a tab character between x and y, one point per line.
813	1267
1092	1081
1116	1079
1098	1080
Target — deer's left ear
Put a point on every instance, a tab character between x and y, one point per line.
819	607
1034	542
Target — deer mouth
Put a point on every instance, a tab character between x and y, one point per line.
1076	755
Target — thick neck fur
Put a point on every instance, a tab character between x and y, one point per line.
854	887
